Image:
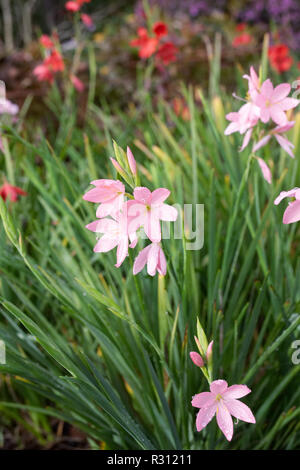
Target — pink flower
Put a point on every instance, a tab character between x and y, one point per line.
154	256
87	20
110	193
72	6
131	161
273	102
208	352
77	83
197	359
283	142
147	209
266	172
222	402
43	73
292	213
116	233
7	107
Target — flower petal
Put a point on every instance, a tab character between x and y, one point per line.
168	213
122	251
236	391
285	144
159	195
266	172
204	416
278	116
285	194
141	260
203	400
224	421
162	263
142	195
152	260
218	386
262	142
106	243
240	411
292	213
280	92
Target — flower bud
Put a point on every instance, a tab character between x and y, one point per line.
131	161
197	359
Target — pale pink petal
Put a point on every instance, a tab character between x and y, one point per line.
152	227
152	259
285	194
297	194
106	243
122	251
141	260
265	114
102	225
285	128
236	391
246	139
218	386
159	195
285	144
277	115
266	172
224	421
262	142
204	416
104	209
203	400
280	92
168	213
142	195
162	263
288	103
239	410
292	213
267	89
232	127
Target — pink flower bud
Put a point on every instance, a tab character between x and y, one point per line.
197	359
117	166
209	350
131	161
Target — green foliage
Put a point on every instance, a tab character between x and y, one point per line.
107	351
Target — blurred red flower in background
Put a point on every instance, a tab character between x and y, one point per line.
167	53
55	62
11	192
46	41
240	27
160	29
242	40
279	57
147	45
75	5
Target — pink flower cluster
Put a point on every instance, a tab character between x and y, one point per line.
119	219
264	104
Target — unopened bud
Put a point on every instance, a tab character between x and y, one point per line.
131	161
197	359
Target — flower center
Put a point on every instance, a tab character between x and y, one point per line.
218	397
268	103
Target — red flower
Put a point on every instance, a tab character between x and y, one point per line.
146	44
87	20
55	62
240	27
46	41
242	40
279	58
160	29
43	74
167	53
7	190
